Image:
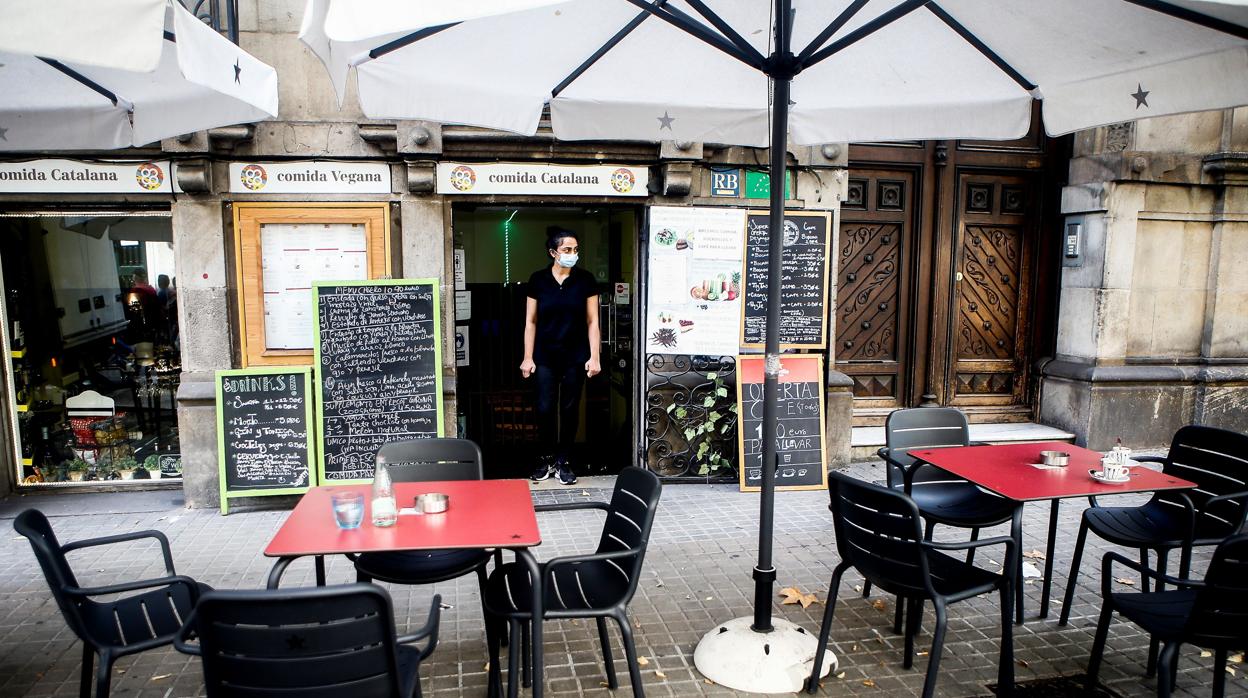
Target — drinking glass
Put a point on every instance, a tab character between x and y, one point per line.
348	509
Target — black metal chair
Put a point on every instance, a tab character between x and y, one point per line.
942	498
1217	461
1212	613
879	532
319	642
598	585
116	627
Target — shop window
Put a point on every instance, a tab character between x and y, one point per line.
279	250
93	338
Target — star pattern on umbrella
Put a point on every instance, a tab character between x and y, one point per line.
665	121
4	134
238	71
1140	95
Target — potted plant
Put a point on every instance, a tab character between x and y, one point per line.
78	469
125	467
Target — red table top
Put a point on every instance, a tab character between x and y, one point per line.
482	514
1006	470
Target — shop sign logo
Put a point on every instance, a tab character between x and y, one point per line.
622	180
463	178
149	176
253	177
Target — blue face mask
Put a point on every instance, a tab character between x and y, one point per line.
568	260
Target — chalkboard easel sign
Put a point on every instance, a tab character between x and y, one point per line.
264	432
378	347
803	286
800	432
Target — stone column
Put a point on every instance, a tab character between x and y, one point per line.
1152	331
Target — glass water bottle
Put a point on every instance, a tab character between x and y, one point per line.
385	510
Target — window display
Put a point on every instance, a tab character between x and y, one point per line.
91	305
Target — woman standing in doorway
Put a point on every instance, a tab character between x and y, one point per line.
561	342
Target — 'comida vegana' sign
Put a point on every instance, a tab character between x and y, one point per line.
309	177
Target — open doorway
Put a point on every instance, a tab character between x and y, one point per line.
501	247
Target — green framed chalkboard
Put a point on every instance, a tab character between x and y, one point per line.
264	432
378	349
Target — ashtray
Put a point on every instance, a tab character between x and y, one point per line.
432	503
1056	458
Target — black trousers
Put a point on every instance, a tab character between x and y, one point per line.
558	405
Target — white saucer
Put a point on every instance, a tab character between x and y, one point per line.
1096	475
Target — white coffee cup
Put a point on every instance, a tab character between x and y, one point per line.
1112	469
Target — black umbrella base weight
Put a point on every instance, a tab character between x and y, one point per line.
735	656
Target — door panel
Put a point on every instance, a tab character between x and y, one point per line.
991	290
873	286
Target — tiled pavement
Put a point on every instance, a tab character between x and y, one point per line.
697	574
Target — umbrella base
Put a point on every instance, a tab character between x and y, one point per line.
735	656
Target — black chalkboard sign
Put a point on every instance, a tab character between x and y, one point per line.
804	283
379	370
264	432
799	429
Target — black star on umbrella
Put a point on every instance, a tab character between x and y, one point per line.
4	134
295	642
238	70
665	121
1141	96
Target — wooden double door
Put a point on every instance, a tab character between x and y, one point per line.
946	272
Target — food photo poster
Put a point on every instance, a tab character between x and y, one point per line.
694	284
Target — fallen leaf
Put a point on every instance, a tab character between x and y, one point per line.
161	677
1205	653
709	682
879	605
868	683
1034	555
1031	571
584	493
486	667
840	675
1236	659
709	598
922	653
604	684
1230	670
658	584
794	595
1125	582
1022	662
642	661
858	588
660	675
994	562
854	648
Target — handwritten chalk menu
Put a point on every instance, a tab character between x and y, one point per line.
379	357
804	281
800	437
264	432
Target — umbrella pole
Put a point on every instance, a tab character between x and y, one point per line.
765	572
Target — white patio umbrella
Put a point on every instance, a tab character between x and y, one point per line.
90	75
755	73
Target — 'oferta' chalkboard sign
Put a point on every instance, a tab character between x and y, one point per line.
264	432
804	282
799	429
379	370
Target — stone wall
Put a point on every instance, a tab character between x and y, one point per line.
1153	320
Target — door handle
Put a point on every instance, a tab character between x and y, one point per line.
957	277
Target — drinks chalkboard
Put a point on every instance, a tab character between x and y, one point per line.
379	370
264	432
804	282
799	429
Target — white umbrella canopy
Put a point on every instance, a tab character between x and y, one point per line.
56	99
920	76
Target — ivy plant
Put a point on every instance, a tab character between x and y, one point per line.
707	426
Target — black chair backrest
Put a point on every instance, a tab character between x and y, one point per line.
925	427
35	527
879	533
1217	461
422	460
1220	615
315	642
630	517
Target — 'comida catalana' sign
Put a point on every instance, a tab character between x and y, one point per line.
309	177
566	180
76	177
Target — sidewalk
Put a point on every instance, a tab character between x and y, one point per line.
697	573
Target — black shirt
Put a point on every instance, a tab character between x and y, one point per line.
562	333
